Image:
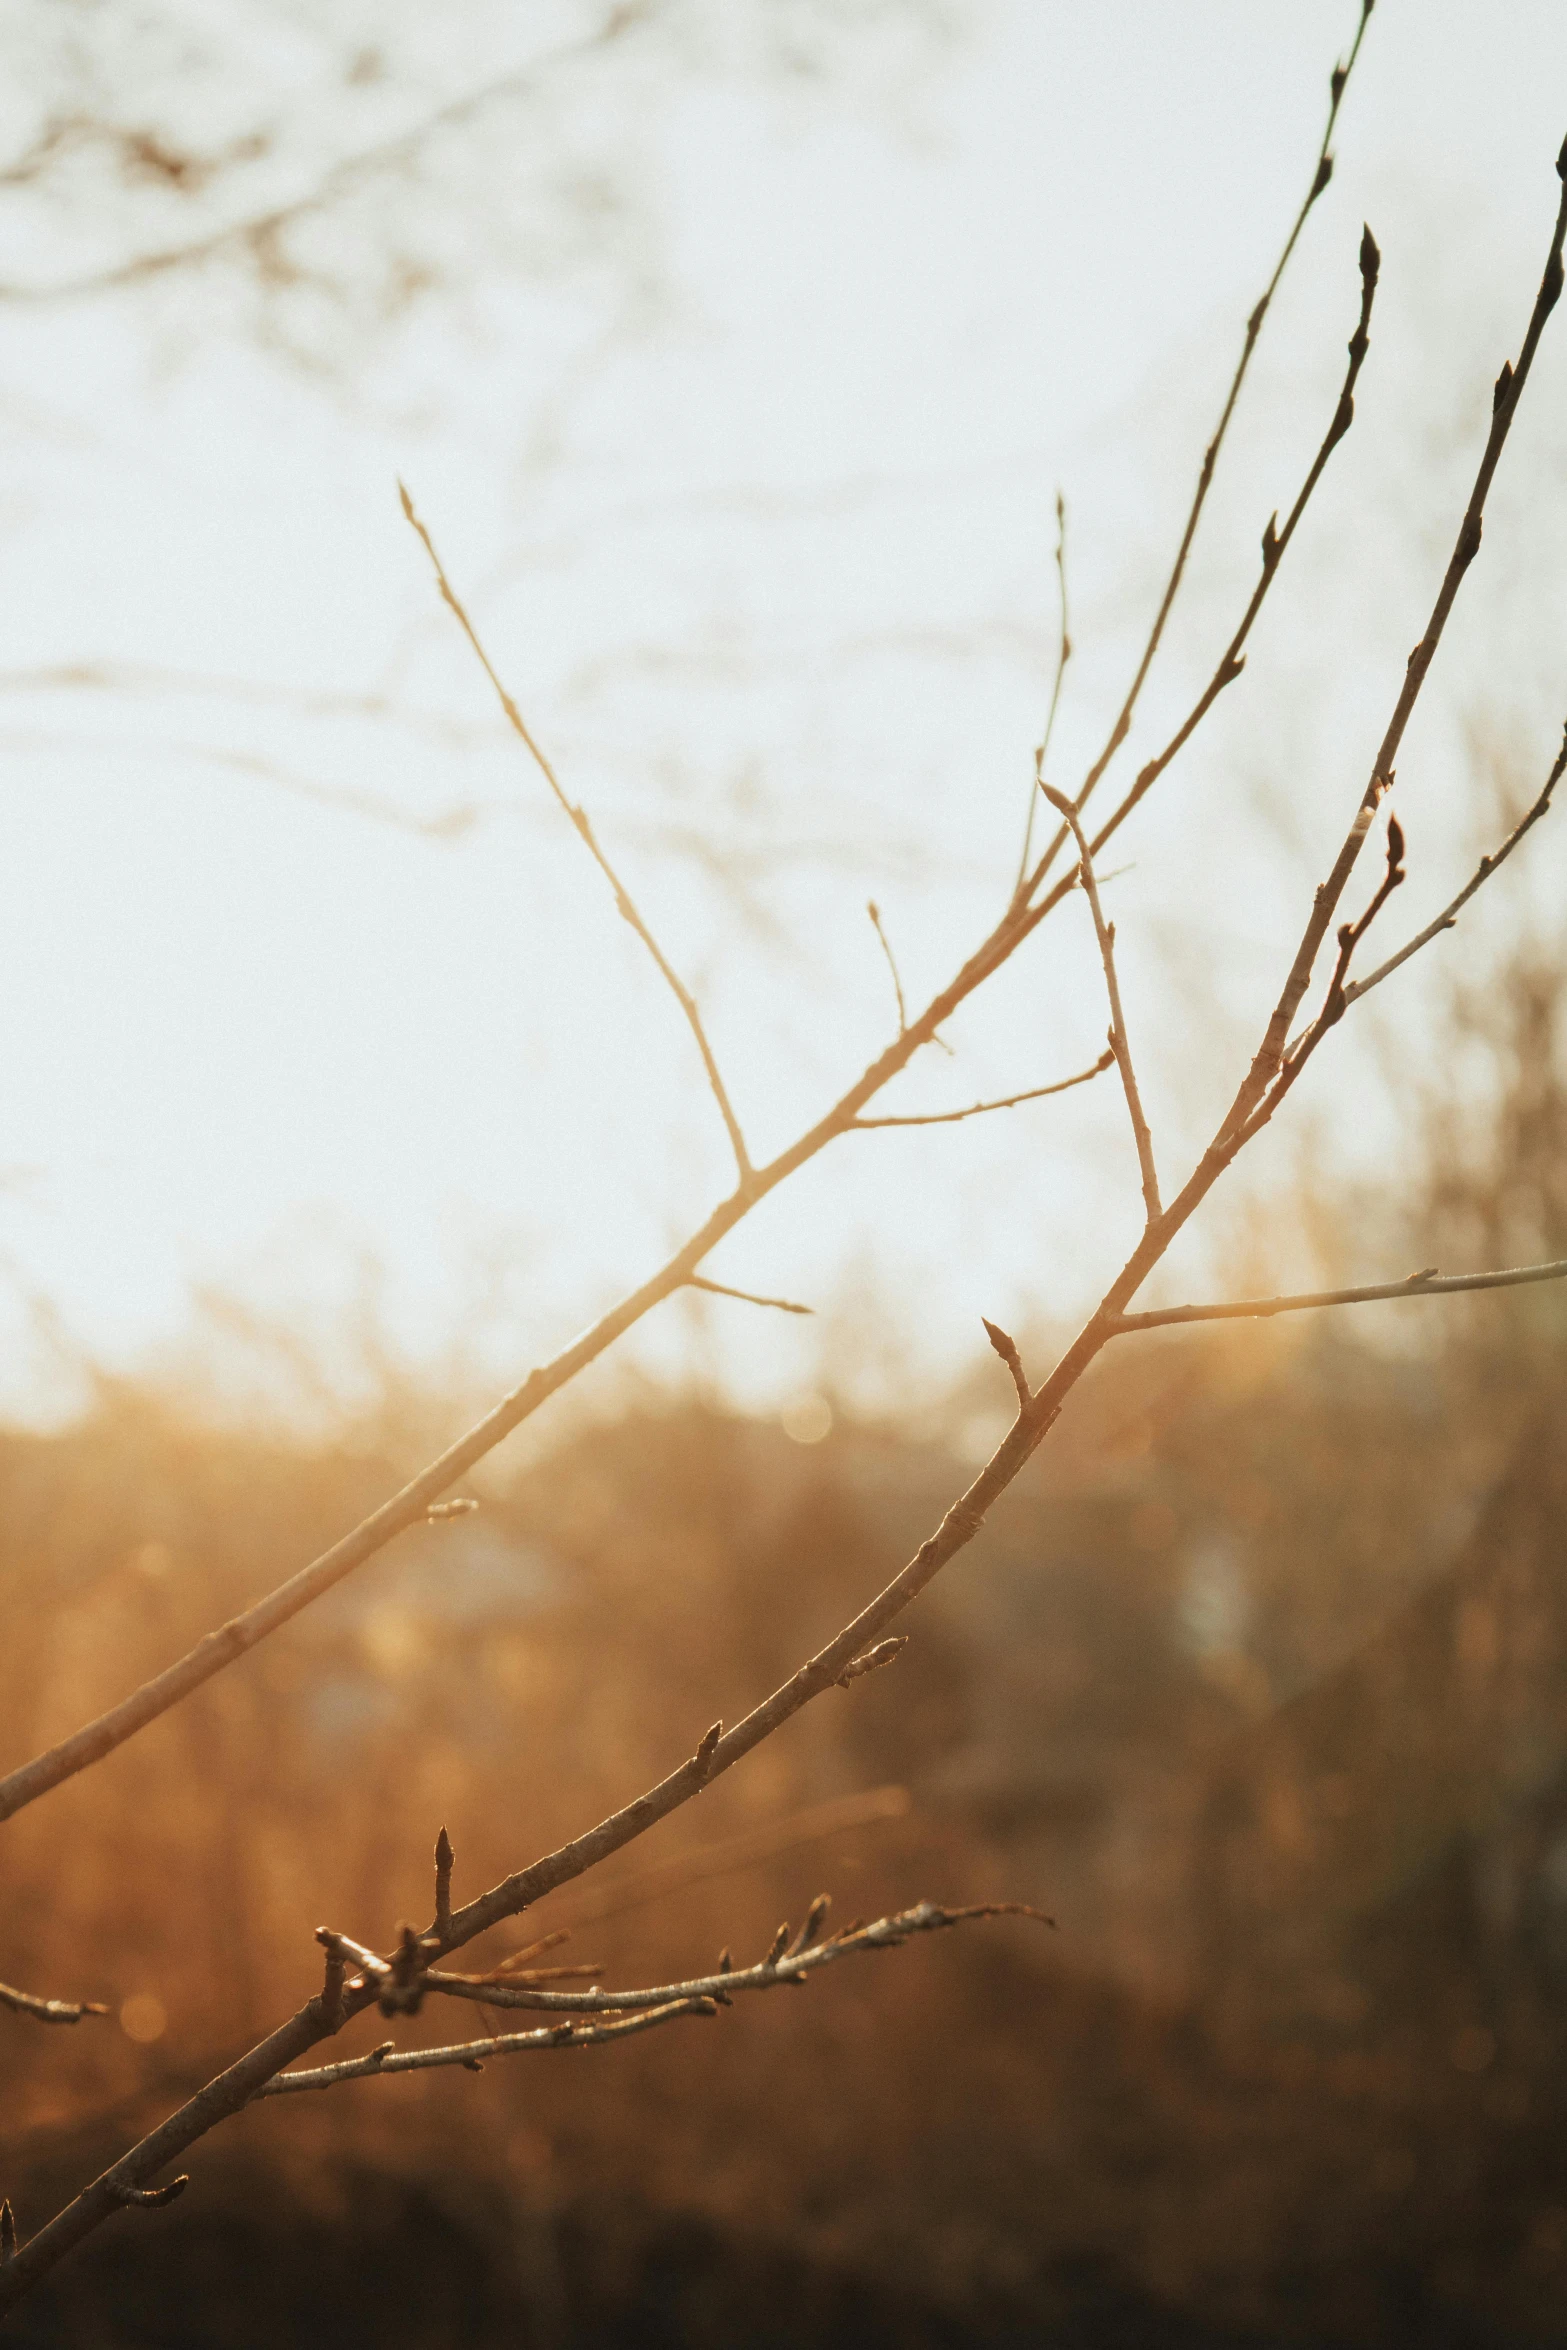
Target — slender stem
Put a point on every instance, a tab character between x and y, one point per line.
1063	655
874	912
1418	1285
1322	173
1477	880
1035	1093
1120	1044
749	1297
48	2011
1275	544
625	905
1509	388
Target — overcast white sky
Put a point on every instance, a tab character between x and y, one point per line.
755	513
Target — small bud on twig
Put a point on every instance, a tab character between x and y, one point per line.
702	1760
444	1857
815	1919
780	1945
1006	1348
872	1659
461	1508
332	1990
148	2198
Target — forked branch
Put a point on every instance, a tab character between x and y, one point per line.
1010	1101
1482	873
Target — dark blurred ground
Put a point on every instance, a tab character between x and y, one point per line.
1257	1681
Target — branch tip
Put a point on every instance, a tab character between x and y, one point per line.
444	1860
147	2198
1006	1346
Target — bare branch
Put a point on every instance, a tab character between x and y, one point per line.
748	1297
1424	1284
792	1957
1275	542
874	912
1119	1045
471	2054
1321	174
1477	880
1270	1056
624	903
49	2011
1035	1093
1063	655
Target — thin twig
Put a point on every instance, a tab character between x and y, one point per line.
656	1880
1426	1284
1269	1059
1321	174
624	903
1120	1045
471	2054
1063	655
1275	543
748	1297
1035	1093
790	1957
49	2011
874	912
1477	880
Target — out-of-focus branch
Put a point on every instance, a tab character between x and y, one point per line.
259	232
1063	655
1425	1284
748	1297
656	1880
624	903
48	2011
1120	1045
874	912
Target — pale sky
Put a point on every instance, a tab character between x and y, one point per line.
756	520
